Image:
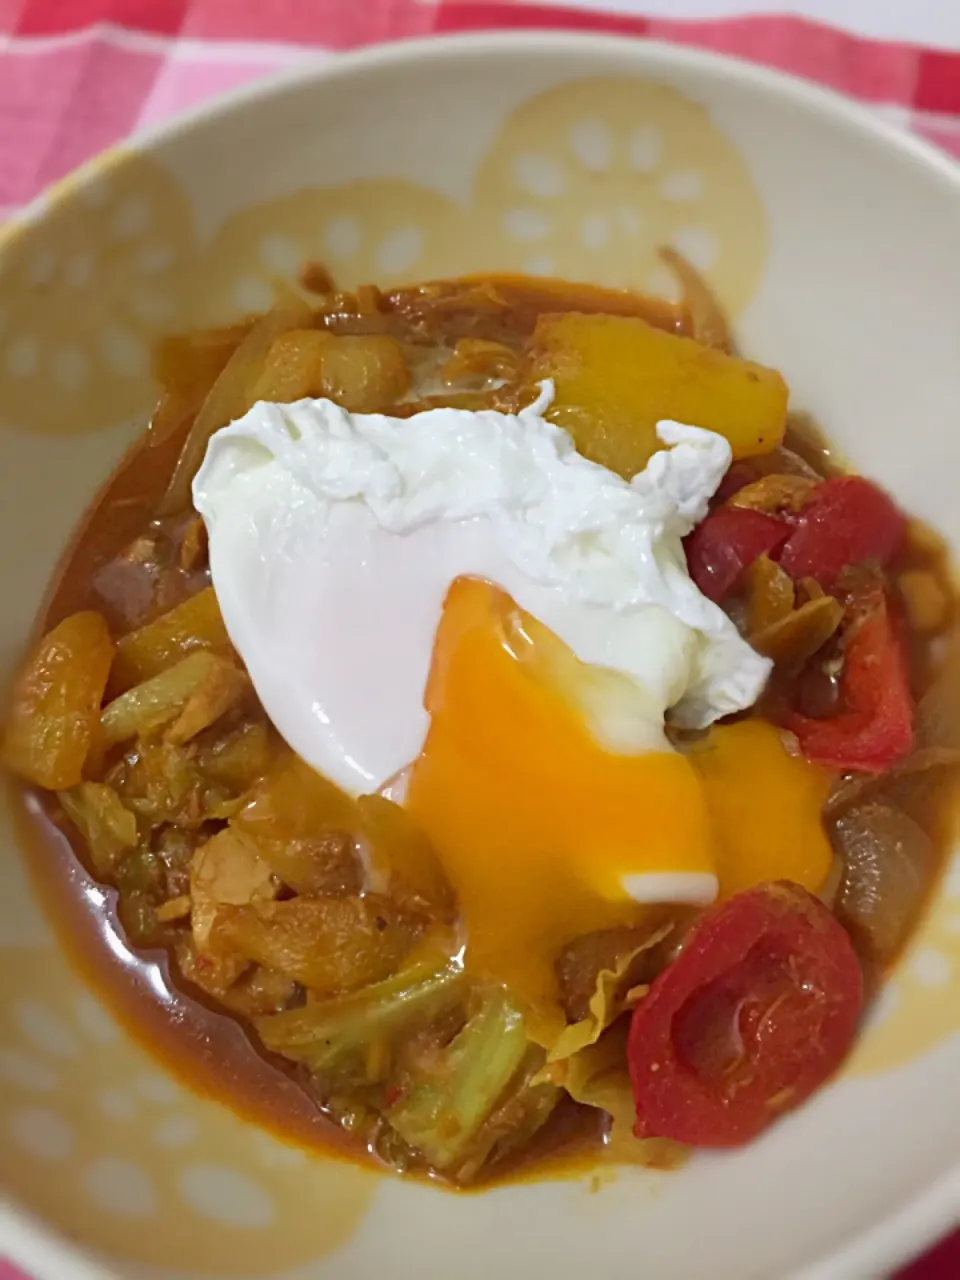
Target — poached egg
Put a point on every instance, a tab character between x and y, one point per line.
334	538
460	610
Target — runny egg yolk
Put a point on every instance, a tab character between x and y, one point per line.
764	806
536	823
540	828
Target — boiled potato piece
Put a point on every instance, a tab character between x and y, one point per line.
365	373
53	720
294	367
193	624
616	377
362	373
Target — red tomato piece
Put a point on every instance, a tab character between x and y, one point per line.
848	520
876	729
756	1012
726	543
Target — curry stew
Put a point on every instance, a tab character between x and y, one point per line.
298	951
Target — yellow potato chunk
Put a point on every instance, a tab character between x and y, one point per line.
54	710
294	367
362	373
365	373
616	377
194	624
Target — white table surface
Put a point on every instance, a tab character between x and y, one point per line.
925	22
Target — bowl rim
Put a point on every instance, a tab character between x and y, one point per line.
37	1246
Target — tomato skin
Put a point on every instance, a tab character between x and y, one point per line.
726	544
756	1012
848	521
876	730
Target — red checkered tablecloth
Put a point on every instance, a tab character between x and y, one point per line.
79	75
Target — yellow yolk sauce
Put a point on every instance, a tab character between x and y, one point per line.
535	823
765	808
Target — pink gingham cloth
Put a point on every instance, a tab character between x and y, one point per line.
79	75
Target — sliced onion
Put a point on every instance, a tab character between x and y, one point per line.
887	859
231	395
938	712
708	324
907	785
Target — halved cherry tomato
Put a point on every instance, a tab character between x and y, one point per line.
756	1012
848	520
724	545
876	729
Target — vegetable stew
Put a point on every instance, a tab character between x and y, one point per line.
299	951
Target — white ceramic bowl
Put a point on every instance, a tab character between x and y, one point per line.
834	243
